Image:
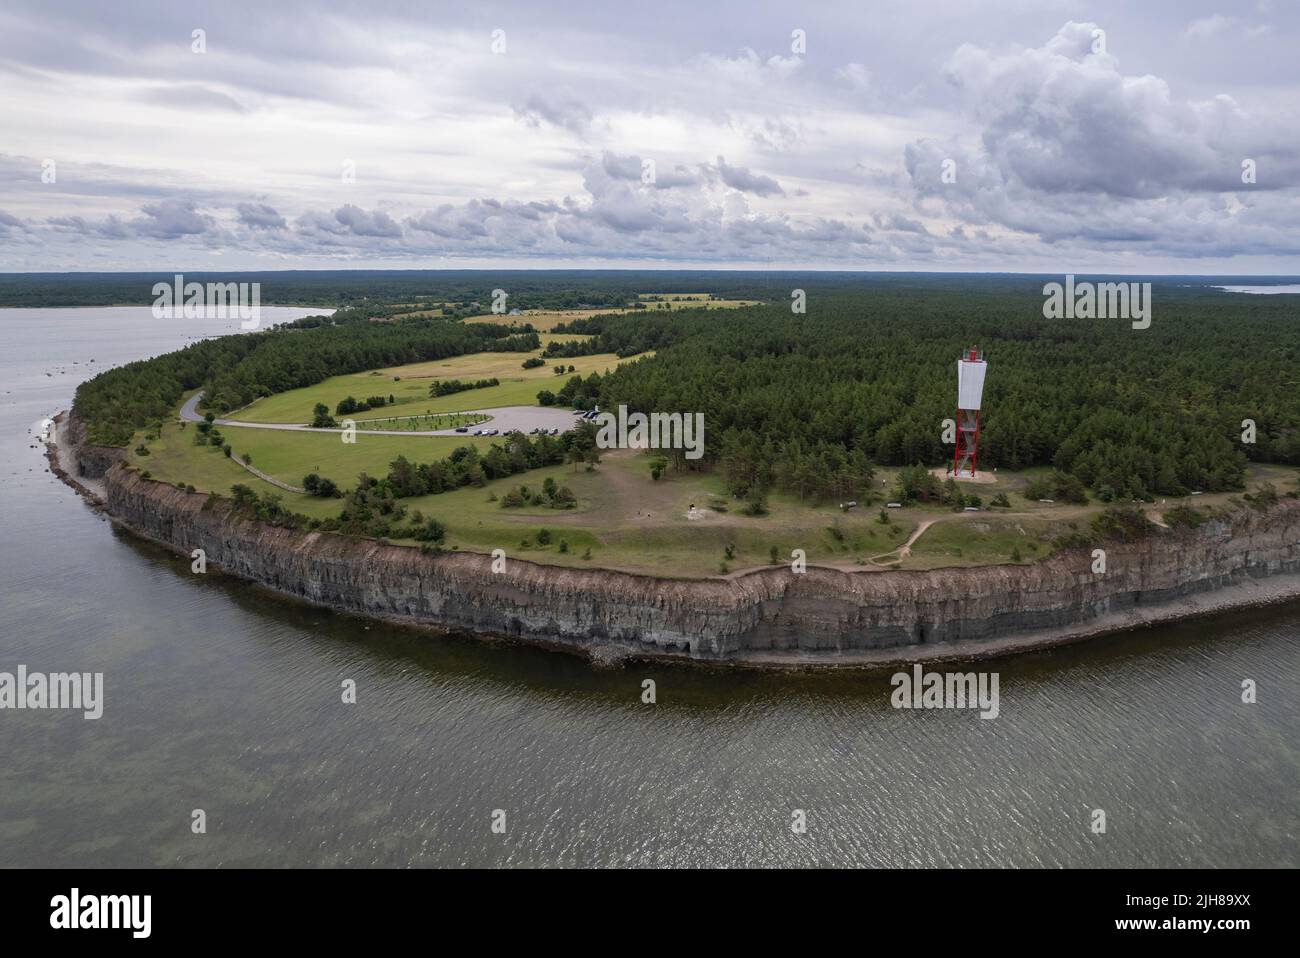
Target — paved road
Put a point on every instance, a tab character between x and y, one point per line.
505	418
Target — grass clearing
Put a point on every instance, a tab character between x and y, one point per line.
409	386
625	520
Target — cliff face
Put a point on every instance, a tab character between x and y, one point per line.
92	461
818	613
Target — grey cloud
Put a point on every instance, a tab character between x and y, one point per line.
571	115
630	168
739	178
171	218
1061	117
1070	149
349	220
192	96
260	216
621	167
899	223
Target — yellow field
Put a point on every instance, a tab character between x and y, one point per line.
544	320
409	385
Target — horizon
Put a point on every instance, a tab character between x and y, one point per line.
639	270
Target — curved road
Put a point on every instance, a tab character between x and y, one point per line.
505	418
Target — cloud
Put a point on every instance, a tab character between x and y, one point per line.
171	218
1061	154
739	178
1068	147
350	221
568	114
260	216
192	96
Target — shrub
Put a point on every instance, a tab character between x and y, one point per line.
432	531
1060	486
1263	498
1184	517
1125	522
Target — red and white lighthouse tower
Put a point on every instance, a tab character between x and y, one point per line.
970	393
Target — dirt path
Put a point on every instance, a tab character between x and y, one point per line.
905	550
265	478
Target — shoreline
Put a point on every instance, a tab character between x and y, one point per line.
614	631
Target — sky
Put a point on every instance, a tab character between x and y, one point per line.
1005	135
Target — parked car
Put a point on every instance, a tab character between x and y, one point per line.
462	428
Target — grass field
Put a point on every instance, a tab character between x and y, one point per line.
409	385
622	519
547	319
989	539
625	520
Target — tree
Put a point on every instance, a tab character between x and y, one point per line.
321	418
431	531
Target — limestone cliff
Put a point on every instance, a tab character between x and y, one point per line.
822	616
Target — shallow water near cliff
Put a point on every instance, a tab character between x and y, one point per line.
223	697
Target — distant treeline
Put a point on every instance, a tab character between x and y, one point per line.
527	289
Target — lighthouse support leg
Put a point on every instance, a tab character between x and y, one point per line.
968	432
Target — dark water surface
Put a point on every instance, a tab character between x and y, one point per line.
222	697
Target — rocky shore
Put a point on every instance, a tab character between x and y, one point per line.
769	617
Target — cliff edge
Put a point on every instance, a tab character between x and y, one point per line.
768	616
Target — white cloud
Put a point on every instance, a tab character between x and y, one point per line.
1132	157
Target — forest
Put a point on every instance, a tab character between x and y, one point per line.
789	399
809	402
235	370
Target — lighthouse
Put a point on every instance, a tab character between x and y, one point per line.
970	393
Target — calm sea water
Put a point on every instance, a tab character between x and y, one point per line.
1262	290
223	698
